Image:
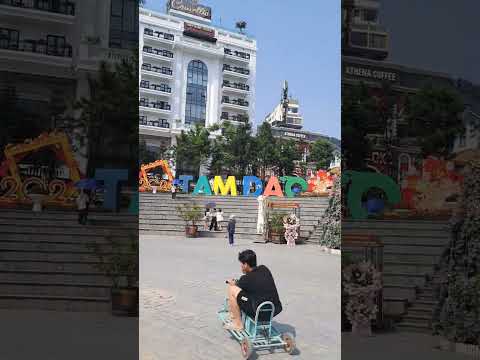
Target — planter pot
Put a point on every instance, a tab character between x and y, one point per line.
277	238
191	231
124	301
362	329
154	189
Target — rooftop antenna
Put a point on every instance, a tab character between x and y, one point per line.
285	101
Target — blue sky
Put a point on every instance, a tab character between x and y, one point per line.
298	42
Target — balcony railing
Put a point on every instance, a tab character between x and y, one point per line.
59	7
239	54
145	84
238	86
160	52
159	34
161	123
236	69
161	105
36	46
239	102
157	69
237	117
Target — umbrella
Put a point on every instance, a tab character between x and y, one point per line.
210	205
87	184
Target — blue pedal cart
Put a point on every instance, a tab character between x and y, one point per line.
259	333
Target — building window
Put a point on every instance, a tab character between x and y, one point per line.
463	140
9	39
196	103
378	41
359	39
124	24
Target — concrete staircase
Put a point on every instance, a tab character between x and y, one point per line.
411	250
158	214
45	264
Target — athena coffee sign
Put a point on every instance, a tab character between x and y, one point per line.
191	7
371	73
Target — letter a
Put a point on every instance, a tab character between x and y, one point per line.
273	188
202	187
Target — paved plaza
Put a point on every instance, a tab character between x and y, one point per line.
183	285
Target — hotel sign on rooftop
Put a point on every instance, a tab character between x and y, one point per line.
191	7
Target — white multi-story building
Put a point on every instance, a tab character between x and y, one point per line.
294	119
192	72
49	49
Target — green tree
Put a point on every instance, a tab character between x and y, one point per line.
322	153
434	119
110	112
266	152
233	152
287	154
331	223
358	113
192	150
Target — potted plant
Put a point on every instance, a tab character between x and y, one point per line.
361	283
190	213
276	230
120	264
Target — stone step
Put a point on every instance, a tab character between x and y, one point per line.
415	240
408	267
422	312
85	230
181	230
46	246
67	224
404	279
414	327
41	236
55	276
55	289
57	303
407	292
81	257
414	258
48	266
414	225
73	214
419	250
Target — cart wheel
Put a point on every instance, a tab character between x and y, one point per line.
246	347
289	340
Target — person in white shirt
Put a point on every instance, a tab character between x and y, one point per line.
82	206
219	218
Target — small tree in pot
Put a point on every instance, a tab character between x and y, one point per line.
190	213
276	230
120	263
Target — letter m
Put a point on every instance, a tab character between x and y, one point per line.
224	188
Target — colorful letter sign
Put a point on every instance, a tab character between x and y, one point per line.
224	189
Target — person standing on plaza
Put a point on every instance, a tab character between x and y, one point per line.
174	191
231	229
206	219
219	218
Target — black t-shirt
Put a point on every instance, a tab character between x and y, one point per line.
260	286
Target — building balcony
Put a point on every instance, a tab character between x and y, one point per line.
155	107
235	118
42	10
236	55
158	123
35	51
239	104
158	54
235	87
157	71
147	87
158	36
236	71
